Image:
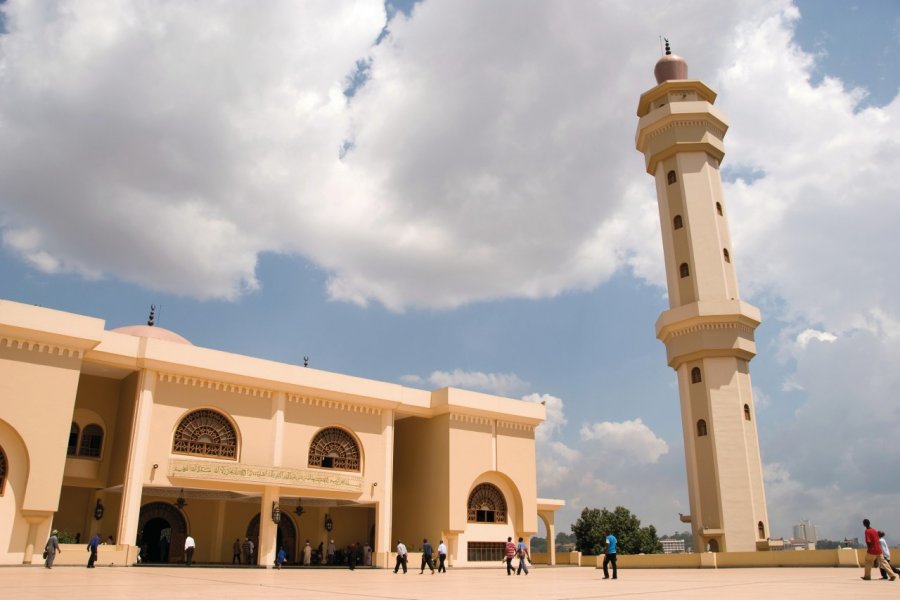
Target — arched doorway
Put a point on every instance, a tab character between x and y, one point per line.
161	532
287	537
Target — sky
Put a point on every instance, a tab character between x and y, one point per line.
447	193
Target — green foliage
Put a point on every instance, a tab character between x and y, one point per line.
563	538
538	544
65	537
591	527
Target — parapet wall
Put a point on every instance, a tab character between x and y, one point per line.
845	557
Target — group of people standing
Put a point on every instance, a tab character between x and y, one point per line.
427	557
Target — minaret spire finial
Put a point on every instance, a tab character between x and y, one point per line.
668	49
152	310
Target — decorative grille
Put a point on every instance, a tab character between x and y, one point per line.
206	433
486	551
2	471
334	448
487	504
91	441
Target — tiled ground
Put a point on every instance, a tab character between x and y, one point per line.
180	583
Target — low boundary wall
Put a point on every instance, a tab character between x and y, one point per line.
844	557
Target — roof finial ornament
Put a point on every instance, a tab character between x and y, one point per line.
152	310
668	49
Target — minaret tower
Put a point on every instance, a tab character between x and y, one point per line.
708	330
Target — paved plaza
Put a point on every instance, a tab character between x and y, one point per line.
178	583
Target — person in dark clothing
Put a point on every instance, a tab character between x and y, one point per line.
427	556
236	551
92	548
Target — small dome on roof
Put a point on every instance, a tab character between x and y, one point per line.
151	331
670	66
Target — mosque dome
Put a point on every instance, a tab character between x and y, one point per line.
670	66
151	331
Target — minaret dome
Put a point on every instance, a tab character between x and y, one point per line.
670	66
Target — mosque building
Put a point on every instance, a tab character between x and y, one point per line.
137	434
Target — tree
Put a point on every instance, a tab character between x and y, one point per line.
538	544
591	527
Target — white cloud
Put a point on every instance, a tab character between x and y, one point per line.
808	335
556	418
502	384
629	440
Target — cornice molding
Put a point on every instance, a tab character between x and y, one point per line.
219	386
741	327
42	347
333	404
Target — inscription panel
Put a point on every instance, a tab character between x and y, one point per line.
281	476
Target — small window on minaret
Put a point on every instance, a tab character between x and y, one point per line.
678	222
762	530
701	428
685	270
726	255
672	177
696	377
746	412
719	207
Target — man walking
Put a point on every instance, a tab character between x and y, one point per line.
427	556
188	550
873	553
522	553
236	551
610	556
510	555
401	556
51	549
92	548
307	554
442	556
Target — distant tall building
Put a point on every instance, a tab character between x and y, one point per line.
806	531
708	330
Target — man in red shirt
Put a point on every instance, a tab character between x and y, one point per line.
873	552
510	554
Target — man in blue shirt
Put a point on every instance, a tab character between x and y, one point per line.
92	548
610	556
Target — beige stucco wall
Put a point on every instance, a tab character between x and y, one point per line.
138	389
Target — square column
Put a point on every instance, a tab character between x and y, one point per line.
132	490
268	531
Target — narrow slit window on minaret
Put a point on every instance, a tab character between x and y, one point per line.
747	412
701	428
685	270
696	377
672	177
678	222
762	530
719	207
726	255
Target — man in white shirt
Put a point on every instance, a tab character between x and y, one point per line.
401	557
442	556
885	557
189	550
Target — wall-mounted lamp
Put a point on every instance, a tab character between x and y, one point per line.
98	510
276	513
329	525
180	501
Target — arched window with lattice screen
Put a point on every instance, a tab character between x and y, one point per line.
487	504
206	432
334	448
91	441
